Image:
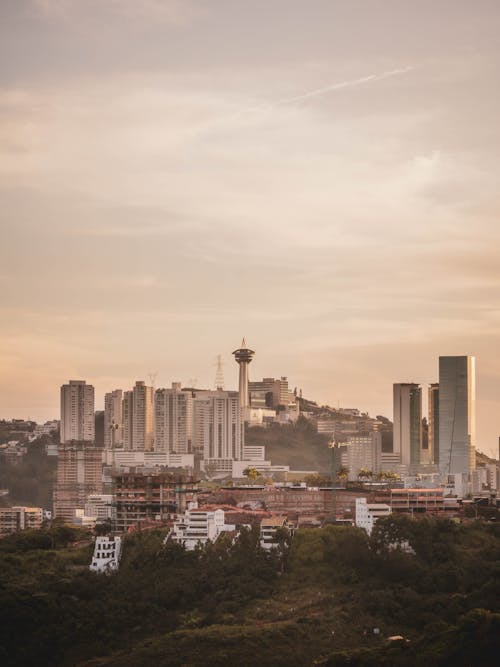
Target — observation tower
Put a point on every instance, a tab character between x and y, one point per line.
243	357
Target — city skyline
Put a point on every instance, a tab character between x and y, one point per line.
177	173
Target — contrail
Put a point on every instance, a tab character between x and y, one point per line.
344	84
268	107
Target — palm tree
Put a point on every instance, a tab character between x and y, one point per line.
342	473
252	474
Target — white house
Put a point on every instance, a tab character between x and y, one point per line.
268	528
197	527
107	554
368	513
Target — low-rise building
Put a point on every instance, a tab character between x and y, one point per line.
417	500
107	554
268	530
368	513
13	519
146	496
198	526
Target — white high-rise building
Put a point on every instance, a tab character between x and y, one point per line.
113	419
457	415
138	418
407	439
173	419
217	425
77	411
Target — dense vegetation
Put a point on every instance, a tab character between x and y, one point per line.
30	480
297	445
232	603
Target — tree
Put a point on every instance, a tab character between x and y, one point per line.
364	473
252	473
342	473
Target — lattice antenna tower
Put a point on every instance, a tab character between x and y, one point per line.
152	379
219	374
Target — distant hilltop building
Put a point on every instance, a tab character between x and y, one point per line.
77	412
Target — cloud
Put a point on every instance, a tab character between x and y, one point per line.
169	11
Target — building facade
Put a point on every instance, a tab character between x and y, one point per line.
79	474
368	513
363	452
17	518
217	426
113	419
145	496
77	412
198	526
138	418
433	421
107	554
173	419
457	415
407	434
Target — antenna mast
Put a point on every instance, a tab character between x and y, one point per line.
219	374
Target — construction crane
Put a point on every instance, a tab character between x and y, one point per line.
333	445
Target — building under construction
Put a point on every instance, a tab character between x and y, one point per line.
142	497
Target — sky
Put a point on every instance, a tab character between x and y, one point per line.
320	177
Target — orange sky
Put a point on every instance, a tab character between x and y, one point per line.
320	177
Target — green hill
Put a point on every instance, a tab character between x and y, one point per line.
232	603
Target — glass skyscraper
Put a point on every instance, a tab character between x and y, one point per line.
457	415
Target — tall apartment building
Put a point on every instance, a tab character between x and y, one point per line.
363	452
407	438
457	415
138	418
217	425
79	474
173	419
113	417
433	421
77	411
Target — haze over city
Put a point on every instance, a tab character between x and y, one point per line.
175	175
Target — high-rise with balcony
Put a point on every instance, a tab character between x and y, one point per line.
457	415
217	425
138	418
77	412
407	438
173	419
113	419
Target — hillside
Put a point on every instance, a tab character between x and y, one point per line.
297	445
229	603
